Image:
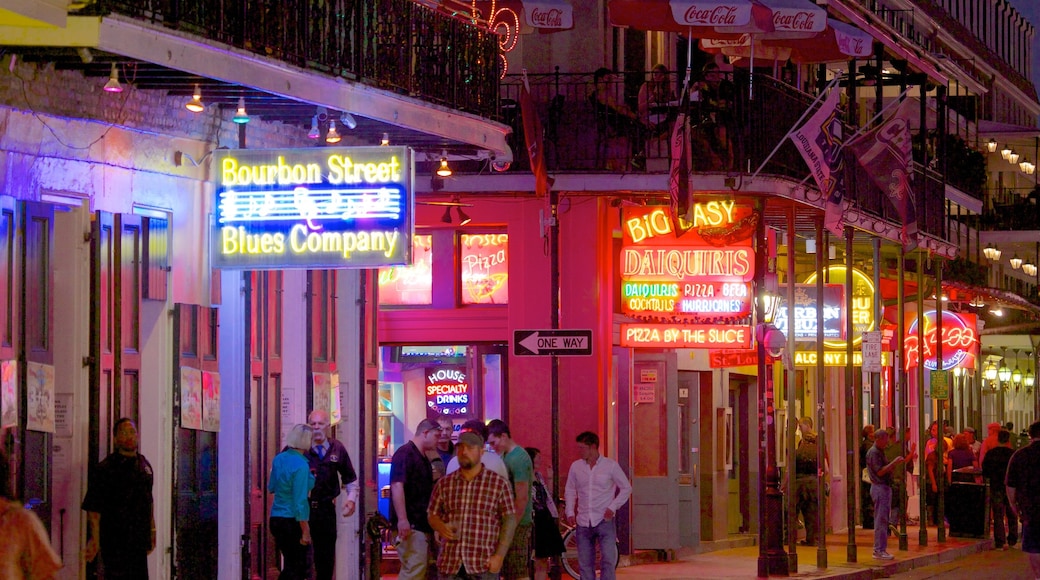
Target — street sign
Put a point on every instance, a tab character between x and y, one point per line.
552	342
871	346
940	384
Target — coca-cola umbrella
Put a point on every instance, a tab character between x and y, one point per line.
838	42
697	18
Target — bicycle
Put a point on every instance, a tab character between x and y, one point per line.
569	558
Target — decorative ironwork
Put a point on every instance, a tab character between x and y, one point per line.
426	50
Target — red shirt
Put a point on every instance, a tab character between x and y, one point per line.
475	508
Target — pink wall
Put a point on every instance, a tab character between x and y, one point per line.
585	304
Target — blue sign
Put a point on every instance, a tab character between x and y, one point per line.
805	316
321	207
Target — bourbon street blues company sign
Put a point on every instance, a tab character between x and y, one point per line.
321	207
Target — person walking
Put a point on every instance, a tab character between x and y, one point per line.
472	511
521	476
596	489
291	481
548	543
994	470
1023	493
807	472
411	483
333	471
120	508
866	503
880	474
25	551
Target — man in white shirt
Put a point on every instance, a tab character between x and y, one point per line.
596	490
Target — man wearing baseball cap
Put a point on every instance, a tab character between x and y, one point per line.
473	511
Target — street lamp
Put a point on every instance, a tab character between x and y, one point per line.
1003	373
991	146
1005	152
992	252
1015	262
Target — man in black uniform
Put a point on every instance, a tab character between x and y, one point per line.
119	508
332	470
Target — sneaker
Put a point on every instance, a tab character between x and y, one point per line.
883	556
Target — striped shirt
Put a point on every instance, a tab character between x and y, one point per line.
475	509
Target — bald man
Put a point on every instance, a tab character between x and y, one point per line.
332	471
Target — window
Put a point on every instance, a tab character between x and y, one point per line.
409	285
484	263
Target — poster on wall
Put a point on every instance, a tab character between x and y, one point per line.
322	394
211	401
40	391
191	398
336	412
8	394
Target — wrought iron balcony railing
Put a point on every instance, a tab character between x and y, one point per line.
399	45
577	141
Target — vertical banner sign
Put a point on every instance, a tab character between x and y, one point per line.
320	207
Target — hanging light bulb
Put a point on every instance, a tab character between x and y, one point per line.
241	117
332	136
113	85
1006	151
348	121
314	133
385	141
444	170
1015	262
195	105
992	145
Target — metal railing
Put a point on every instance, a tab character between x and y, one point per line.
574	141
400	45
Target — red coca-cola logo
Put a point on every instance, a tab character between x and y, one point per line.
717	16
551	18
794	21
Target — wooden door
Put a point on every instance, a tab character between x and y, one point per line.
196	380
263	417
10	330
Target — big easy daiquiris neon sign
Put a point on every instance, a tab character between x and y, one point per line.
692	290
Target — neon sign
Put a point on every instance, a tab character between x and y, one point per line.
959	341
485	268
862	302
447	390
685	336
313	208
806	316
700	277
409	285
834	358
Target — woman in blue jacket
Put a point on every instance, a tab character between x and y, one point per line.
291	482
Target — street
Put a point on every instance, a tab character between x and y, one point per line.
1010	565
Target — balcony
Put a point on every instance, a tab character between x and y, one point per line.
575	141
419	50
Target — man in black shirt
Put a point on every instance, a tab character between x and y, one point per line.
332	470
411	484
994	469
119	508
1023	490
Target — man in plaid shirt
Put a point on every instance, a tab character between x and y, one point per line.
472	510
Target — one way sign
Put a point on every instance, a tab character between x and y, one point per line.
552	342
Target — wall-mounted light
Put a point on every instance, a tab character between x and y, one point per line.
1015	262
113	85
446	218
1004	373
463	216
1029	269
348	121
1013	158
1029	379
195	105
991	252
241	116
443	170
314	133
991	146
332	136
1005	152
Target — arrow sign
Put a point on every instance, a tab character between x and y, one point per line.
552	342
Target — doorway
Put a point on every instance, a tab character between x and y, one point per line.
655	441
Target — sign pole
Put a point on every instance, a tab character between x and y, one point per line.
554	372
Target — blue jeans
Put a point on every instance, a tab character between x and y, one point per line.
882	496
605	536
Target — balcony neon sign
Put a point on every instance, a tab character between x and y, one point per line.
313	208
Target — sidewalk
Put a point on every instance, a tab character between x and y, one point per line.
743	562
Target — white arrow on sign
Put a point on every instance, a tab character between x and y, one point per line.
555	342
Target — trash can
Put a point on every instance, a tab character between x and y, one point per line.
967	510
